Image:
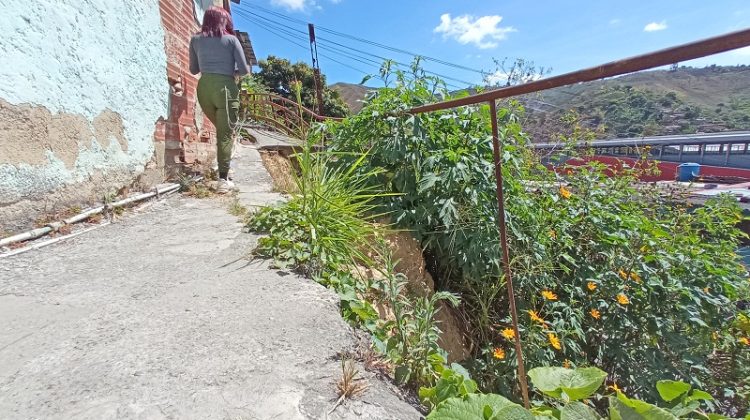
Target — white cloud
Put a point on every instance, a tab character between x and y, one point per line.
484	31
290	4
615	22
655	26
497	78
300	5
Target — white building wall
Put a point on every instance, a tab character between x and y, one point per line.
78	60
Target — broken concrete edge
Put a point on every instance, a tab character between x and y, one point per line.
54	226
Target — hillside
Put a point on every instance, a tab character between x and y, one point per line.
352	94
660	102
688	100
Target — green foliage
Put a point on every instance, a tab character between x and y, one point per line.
278	72
328	231
454	381
607	251
561	384
328	224
410	340
480	407
567	384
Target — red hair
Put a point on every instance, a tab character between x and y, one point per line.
217	22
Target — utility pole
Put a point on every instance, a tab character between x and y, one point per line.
316	68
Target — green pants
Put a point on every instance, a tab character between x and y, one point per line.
218	96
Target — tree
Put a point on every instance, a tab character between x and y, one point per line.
278	73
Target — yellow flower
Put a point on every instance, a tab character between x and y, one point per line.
745	341
622	299
509	333
623	275
635	277
566	364
591	286
565	193
549	295
499	353
535	317
614	387
714	336
706	290
644	249
595	314
552	234
554	341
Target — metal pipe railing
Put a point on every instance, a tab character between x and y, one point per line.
659	58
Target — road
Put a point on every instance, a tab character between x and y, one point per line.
160	316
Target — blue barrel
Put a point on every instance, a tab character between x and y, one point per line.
686	172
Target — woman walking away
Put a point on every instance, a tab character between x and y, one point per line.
217	54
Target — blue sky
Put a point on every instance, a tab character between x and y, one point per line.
562	34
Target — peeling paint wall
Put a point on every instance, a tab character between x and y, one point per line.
82	86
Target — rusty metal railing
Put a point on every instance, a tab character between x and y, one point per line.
659	58
279	113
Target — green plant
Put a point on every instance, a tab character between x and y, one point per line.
453	381
410	339
568	394
328	224
595	254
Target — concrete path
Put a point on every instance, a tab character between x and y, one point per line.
158	316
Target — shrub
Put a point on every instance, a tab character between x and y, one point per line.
609	272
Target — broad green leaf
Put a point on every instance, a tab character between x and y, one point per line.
402	374
576	384
545	412
578	411
699	395
474	407
624	408
670	390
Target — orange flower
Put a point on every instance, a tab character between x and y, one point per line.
706	290
745	341
635	277
595	314
623	275
535	317
554	341
566	364
622	299
552	234
591	286
565	193
549	295
499	353
509	333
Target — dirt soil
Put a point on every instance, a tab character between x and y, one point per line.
159	316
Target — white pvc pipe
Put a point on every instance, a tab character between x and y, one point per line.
36	233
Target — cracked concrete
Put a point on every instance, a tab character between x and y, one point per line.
159	316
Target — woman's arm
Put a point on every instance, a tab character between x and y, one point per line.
239	58
194	66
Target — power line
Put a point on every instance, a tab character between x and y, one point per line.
293	32
366	41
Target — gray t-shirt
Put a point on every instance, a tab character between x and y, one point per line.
217	55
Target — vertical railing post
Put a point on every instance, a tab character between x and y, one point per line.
505	254
728	151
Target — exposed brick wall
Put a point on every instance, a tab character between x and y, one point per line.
187	135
